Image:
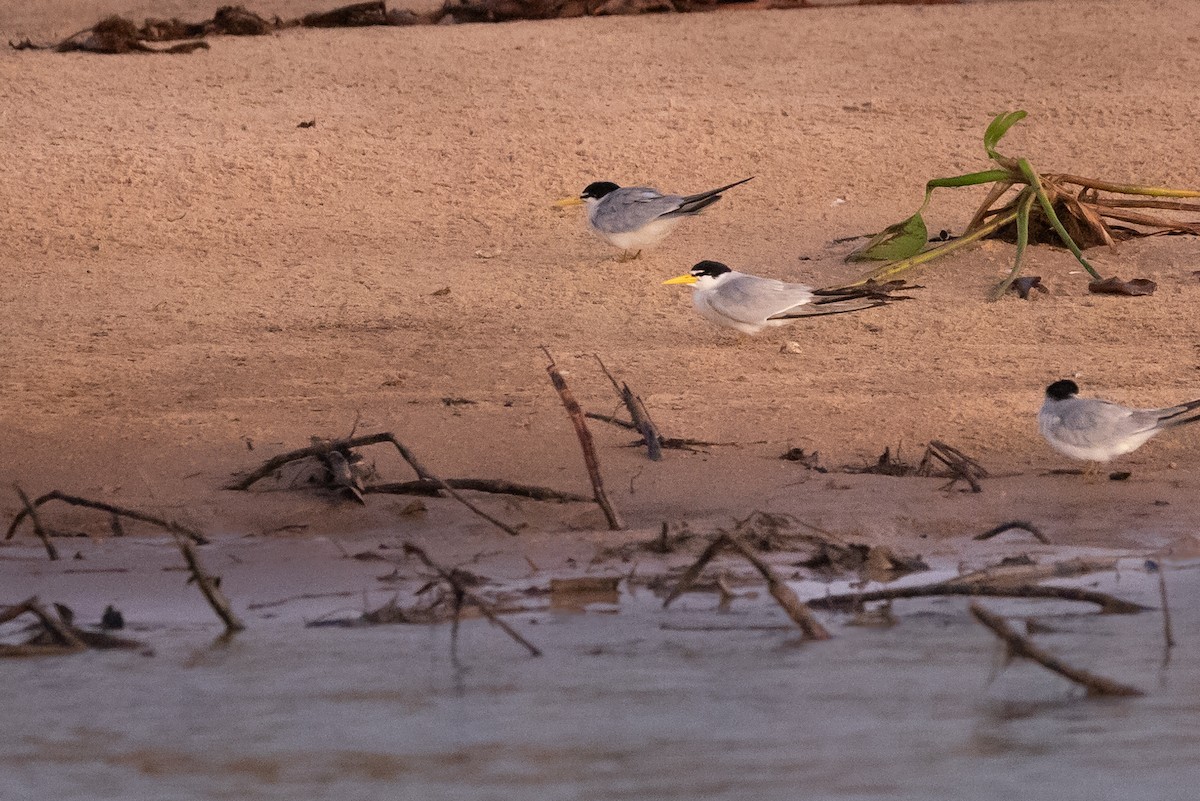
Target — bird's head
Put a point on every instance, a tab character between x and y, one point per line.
590	194
1061	390
703	274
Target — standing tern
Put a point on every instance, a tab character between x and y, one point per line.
636	217
1098	430
749	303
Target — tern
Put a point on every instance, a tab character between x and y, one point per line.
1097	430
637	217
749	303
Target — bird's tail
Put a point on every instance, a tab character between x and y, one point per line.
693	203
1175	416
844	300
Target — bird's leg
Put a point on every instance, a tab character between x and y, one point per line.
626	256
1091	473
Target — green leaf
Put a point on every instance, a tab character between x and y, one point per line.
999	127
895	242
970	179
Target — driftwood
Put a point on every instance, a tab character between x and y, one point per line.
1108	604
461	591
958	464
321	449
209	586
1021	525
495	486
590	461
1027	571
115	34
352	16
57	636
1022	647
665	443
780	591
31	511
638	413
55	495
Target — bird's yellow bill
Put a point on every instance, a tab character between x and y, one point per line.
567	202
686	278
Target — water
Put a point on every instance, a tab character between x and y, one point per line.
629	702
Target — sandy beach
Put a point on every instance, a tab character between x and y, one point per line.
194	284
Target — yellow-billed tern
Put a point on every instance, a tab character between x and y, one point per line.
749	303
636	217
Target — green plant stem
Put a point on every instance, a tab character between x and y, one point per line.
1126	189
1048	208
893	269
1026	205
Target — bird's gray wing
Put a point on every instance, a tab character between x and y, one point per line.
750	299
631	207
1087	422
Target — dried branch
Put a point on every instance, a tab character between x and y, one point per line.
1022	647
590	461
55	495
51	551
1026	573
495	486
958	463
1022	525
692	573
638	413
1108	604
460	589
323	448
209	586
783	594
780	591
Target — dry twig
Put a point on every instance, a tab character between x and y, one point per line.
959	465
1015	524
780	591
1022	647
461	590
496	486
638	413
51	551
209	586
323	448
590	461
1108	604
55	495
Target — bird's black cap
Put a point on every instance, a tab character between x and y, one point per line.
710	268
598	189
1061	390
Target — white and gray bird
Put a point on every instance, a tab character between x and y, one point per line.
1098	430
637	217
749	303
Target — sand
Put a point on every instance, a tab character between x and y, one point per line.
193	284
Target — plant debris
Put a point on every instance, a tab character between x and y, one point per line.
1115	286
809	461
54	634
1056	208
1021	647
780	591
1025	284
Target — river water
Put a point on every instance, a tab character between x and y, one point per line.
630	701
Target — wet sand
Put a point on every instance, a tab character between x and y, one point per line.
190	275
